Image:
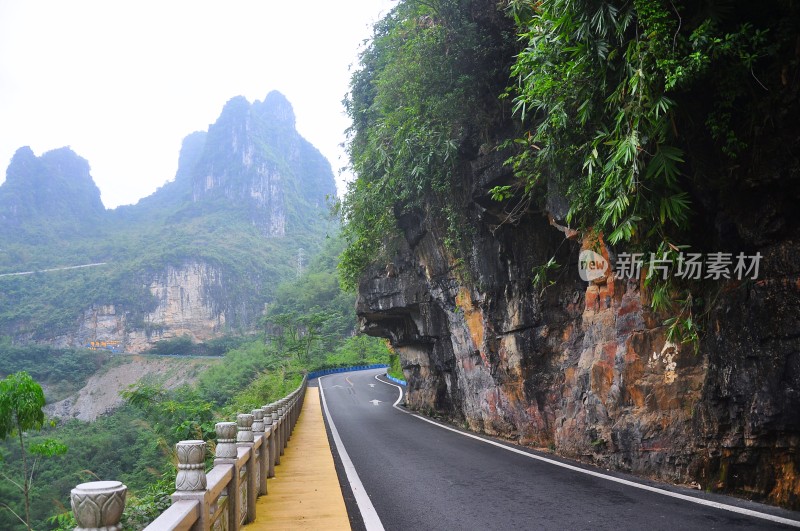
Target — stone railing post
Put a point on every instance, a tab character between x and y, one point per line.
261	450
289	413
292	408
226	454
276	432
296	409
252	446
269	433
283	424
190	483
244	438
191	466
98	505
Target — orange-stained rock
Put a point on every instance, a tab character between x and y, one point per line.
585	368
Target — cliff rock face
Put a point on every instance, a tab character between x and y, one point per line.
187	301
235	164
584	368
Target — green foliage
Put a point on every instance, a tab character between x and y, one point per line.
180	414
600	84
64	521
317	291
608	90
48	448
21	403
542	275
63	370
265	388
395	368
601	66
357	350
238	369
178	346
418	102
147	504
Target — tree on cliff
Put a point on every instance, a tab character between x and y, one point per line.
21	403
424	97
642	117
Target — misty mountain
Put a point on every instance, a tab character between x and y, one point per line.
199	257
48	197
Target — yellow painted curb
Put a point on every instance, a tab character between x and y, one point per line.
305	492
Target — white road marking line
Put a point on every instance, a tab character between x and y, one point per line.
684	497
399	398
375	402
368	513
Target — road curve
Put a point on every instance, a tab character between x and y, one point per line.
421	476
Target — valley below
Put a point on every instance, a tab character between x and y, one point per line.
102	393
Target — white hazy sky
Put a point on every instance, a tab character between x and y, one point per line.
123	82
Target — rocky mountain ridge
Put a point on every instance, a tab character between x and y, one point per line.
198	258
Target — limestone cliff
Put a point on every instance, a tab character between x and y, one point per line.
583	368
187	304
235	164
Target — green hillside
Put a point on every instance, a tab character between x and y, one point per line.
249	197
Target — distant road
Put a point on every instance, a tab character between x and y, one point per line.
22	273
418	475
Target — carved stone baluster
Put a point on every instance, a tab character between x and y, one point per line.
244	438
226	440
191	466
98	505
276	432
290	413
260	450
275	415
226	454
270	433
282	426
295	407
190	483
244	422
258	421
289	419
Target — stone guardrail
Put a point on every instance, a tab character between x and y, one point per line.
222	499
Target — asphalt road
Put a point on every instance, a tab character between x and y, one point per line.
419	476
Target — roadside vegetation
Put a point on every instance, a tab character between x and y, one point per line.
309	325
642	116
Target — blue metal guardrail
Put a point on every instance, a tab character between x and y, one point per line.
397	380
317	374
